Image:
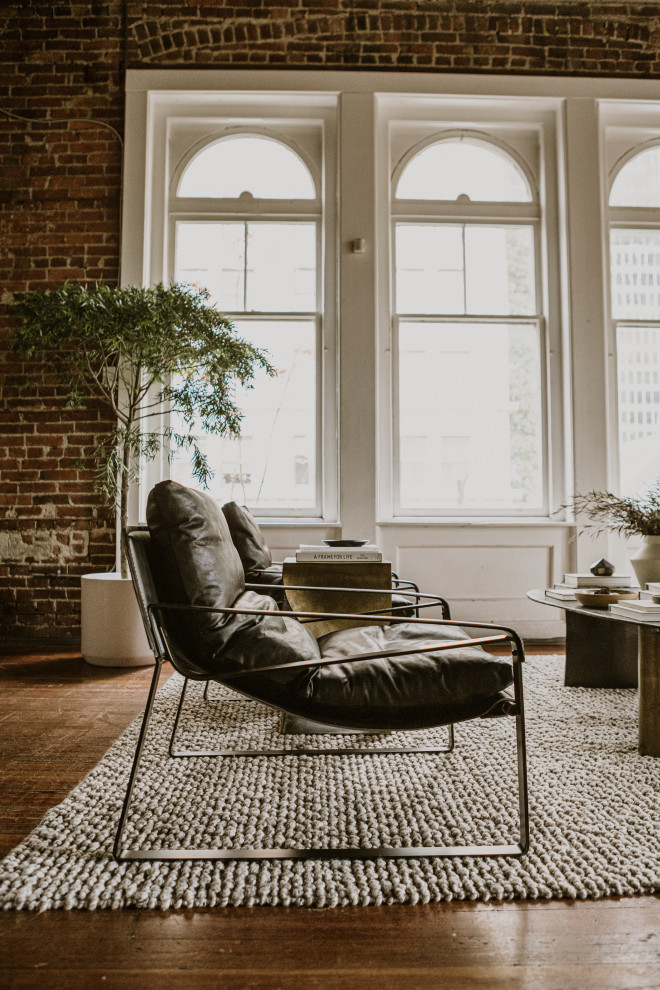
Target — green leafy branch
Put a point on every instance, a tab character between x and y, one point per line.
143	353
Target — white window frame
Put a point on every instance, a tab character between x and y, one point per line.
627	131
178	127
444	212
526	130
580	121
244	210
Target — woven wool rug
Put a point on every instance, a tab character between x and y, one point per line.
594	811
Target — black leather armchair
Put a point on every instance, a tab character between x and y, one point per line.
403	674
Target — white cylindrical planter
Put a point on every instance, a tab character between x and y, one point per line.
111	625
646	560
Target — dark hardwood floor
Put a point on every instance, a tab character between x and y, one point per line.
58	715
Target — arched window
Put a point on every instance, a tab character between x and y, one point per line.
260	166
246	224
638	182
635	306
467	323
463	168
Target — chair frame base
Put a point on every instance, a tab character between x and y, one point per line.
374	852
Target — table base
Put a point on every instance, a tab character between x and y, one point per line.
598	653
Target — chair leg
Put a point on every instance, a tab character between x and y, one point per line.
521	754
177	717
146	718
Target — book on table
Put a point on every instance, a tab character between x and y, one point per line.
564	594
625	612
641	605
596	581
308	553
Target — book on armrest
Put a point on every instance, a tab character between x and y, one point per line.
344	555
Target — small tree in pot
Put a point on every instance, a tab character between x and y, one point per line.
141	353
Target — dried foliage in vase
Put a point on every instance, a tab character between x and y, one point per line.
626	515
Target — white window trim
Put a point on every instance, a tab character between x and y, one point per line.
167	153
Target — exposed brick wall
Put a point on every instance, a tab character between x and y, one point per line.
60	193
452	35
59	221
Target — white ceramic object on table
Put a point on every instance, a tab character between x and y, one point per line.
646	560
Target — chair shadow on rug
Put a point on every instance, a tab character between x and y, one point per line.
389	674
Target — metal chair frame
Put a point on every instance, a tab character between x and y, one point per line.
158	637
152	614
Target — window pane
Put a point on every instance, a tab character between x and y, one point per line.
638	364
638	182
278	274
470	422
500	270
455	268
212	256
635	273
257	165
281	263
273	464
430	268
454	168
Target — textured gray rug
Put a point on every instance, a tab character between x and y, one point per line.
594	804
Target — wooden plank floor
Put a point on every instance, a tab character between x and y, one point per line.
58	715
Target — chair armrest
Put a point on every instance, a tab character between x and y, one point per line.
498	633
376	655
432	600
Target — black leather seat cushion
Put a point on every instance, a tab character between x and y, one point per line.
198	564
419	689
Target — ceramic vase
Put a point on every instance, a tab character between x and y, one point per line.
646	560
112	633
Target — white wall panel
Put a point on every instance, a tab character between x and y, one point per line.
486	572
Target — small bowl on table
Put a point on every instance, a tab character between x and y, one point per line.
602	597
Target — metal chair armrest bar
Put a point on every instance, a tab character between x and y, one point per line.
433	600
518	650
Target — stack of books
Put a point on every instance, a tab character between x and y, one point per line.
641	609
369	553
566	589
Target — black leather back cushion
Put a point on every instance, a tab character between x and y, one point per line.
197	563
247	538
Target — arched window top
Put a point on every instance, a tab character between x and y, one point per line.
466	169
260	166
638	182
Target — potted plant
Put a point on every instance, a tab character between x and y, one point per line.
627	515
140	352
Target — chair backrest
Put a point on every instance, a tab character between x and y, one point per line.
247	538
139	551
194	562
